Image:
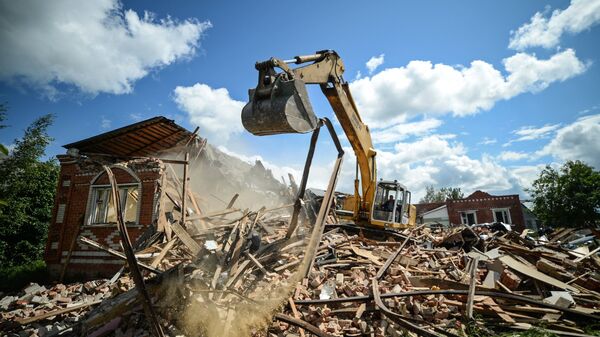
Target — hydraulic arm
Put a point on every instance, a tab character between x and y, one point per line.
280	104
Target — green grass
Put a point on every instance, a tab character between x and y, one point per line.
15	278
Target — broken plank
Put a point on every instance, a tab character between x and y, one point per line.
534	273
118	254
366	254
296	314
28	320
287	265
471	294
163	253
257	263
187	240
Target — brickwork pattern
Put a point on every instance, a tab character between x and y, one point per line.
75	195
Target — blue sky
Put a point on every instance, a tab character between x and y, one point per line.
473	94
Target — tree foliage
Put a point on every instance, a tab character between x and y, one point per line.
443	194
27	188
568	197
3	149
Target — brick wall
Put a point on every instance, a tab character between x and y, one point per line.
69	216
483	204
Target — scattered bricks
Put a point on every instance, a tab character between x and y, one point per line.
339	279
316	280
510	279
345	323
63	299
333	326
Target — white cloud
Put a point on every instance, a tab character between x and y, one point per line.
434	160
374	62
488	141
136	116
525	175
421	88
588	110
402	131
213	110
512	155
531	133
577	141
96	46
105	123
546	32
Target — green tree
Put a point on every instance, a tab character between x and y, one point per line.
3	149
27	187
568	197
443	194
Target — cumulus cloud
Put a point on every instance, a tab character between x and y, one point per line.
512	155
546	32
577	141
96	46
402	131
374	62
439	161
213	110
422	88
525	175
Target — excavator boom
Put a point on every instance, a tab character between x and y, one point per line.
280	104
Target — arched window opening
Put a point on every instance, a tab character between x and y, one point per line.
101	210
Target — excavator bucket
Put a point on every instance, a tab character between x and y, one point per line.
281	107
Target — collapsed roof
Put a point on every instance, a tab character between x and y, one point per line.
140	139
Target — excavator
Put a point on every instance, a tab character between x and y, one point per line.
280	104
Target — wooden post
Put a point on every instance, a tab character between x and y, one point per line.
472	285
184	188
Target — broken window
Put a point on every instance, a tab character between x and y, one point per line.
468	217
102	210
501	215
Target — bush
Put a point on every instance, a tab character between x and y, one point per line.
16	277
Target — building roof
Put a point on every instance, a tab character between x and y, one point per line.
426	207
479	195
435	209
140	139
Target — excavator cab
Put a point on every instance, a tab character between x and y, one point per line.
279	104
391	205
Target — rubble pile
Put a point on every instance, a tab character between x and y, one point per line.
430	281
284	271
218	273
436	281
34	311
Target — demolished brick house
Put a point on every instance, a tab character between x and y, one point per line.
83	208
479	207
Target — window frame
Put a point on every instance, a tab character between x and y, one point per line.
466	213
502	209
91	205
